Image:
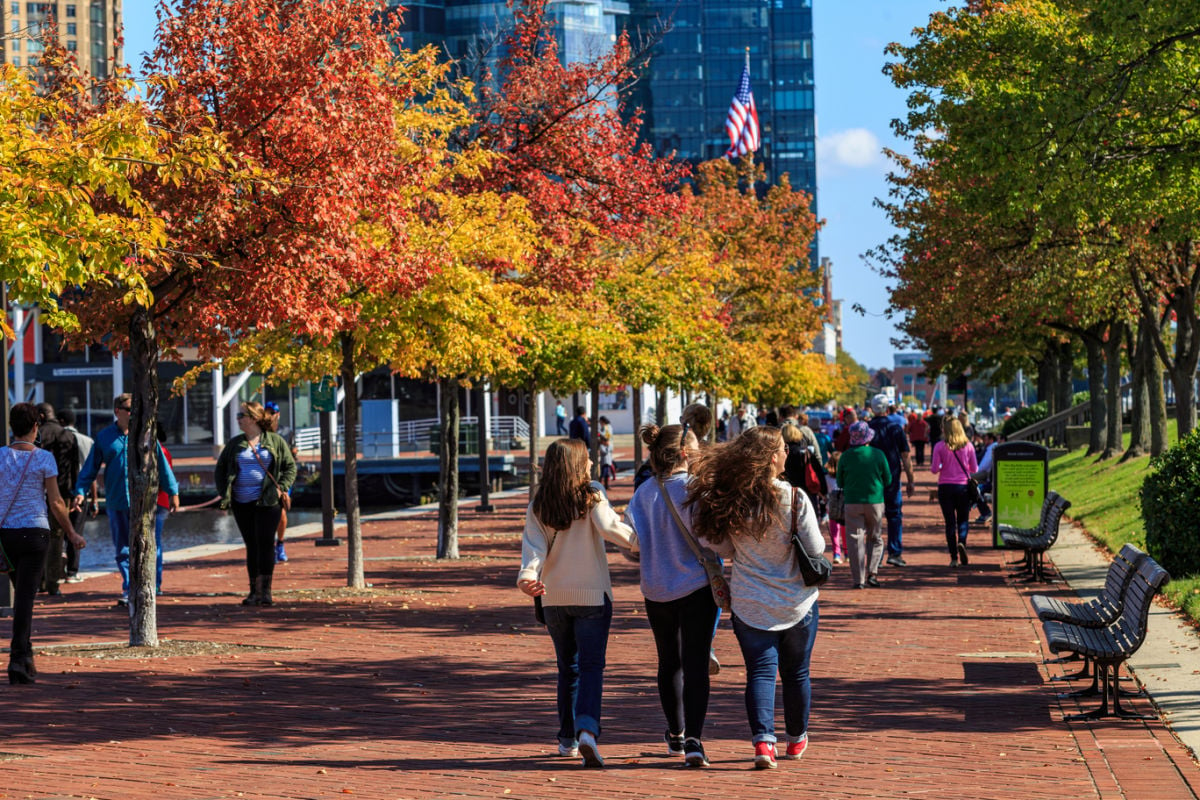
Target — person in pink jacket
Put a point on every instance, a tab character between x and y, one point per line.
953	461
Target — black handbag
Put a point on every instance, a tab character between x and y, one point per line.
973	491
814	569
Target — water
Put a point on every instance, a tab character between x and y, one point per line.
183	529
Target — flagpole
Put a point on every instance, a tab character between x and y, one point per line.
747	59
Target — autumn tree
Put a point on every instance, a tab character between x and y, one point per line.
266	232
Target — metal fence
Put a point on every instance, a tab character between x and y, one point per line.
507	433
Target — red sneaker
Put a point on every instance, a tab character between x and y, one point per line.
764	755
796	749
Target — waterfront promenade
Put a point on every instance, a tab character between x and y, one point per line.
438	683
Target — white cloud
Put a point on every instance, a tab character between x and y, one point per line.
855	148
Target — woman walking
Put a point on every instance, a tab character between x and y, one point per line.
28	477
679	603
863	473
563	563
741	508
953	461
253	475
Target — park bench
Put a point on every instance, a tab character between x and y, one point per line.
1098	612
1036	541
1110	646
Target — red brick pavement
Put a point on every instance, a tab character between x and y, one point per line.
443	686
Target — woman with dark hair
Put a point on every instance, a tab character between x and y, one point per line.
742	509
253	475
679	603
28	478
563	562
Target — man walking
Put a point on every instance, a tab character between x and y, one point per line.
889	437
110	451
580	429
560	419
84	449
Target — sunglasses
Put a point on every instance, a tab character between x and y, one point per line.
242	415
125	408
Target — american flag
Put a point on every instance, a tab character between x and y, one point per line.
742	120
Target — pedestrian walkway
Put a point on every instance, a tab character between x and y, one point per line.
438	683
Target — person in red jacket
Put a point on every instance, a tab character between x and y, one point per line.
918	435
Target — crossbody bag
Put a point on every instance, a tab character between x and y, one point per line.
716	575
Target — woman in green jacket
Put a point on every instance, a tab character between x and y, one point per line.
254	473
863	473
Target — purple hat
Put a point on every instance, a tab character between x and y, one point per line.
860	433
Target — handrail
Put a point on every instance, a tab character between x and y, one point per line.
1053	429
414	434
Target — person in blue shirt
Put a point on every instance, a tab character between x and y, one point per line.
110	451
580	429
984	478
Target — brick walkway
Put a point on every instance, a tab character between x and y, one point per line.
441	685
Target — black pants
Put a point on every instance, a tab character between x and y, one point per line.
77	520
26	549
257	524
956	513
919	447
683	632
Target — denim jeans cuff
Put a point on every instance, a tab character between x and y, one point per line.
585	723
794	739
764	737
568	741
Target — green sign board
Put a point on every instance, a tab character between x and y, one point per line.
1020	480
323	395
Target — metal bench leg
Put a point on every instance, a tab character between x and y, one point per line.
1097	713
1096	688
1116	693
1085	672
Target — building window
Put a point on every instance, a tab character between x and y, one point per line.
16	60
71	29
15	8
72	45
70	12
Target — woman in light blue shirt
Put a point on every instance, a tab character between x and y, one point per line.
679	602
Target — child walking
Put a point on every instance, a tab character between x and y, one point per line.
837	531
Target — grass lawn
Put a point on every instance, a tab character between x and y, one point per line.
1104	500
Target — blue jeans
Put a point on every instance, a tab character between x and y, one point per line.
787	653
580	636
160	519
118	526
893	500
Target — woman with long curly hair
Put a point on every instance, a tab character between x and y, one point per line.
743	511
563	562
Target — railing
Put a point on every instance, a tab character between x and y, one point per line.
1052	431
413	435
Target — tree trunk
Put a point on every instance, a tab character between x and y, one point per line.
1157	390
448	473
595	444
534	437
1139	411
350	407
1066	370
142	445
1112	374
1095	361
636	399
1047	371
660	413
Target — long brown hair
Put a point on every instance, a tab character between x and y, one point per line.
666	446
733	490
565	493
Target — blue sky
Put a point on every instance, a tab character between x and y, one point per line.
855	106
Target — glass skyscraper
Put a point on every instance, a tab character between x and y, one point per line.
694	71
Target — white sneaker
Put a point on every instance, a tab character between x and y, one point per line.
589	750
568	752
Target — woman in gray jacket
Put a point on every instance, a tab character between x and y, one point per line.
743	511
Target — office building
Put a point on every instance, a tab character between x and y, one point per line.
87	28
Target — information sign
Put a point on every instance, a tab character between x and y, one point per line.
323	394
1020	481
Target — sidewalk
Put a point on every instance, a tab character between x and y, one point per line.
438	683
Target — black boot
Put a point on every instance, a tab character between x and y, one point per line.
21	670
252	598
264	590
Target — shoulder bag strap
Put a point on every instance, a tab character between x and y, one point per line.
959	460
688	536
13	498
254	450
795	522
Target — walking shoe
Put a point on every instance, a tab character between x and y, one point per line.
858	586
714	666
837	560
674	743
897	561
568	751
796	749
962	553
122	602
872	581
984	519
280	555
74	578
954	562
764	755
694	753
589	750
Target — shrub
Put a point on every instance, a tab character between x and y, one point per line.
1170	500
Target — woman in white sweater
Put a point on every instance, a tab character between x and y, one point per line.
563	562
744	512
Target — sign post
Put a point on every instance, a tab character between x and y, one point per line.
323	397
1020	481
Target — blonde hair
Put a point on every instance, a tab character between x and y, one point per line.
791	433
265	421
954	435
